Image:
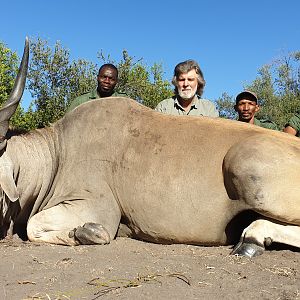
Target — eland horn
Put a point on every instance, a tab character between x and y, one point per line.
10	106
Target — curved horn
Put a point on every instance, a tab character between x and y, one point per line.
10	106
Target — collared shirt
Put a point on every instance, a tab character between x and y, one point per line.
200	107
90	96
294	122
265	124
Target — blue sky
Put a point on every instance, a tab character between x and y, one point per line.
231	40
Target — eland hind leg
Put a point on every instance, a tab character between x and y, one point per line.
263	173
263	233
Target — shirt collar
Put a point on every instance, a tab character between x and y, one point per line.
193	106
94	94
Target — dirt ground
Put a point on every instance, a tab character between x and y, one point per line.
131	269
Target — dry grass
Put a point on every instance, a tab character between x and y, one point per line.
108	286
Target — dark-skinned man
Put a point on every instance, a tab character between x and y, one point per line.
107	79
246	105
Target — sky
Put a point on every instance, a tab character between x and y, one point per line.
231	40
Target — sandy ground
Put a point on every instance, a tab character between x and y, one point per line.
131	269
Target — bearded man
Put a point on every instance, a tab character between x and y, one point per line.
189	85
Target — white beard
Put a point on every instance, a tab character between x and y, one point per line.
187	94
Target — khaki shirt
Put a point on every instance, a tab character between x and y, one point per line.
200	107
90	96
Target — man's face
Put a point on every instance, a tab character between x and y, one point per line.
246	109
187	84
107	80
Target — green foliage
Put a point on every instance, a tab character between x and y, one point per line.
24	120
54	80
9	63
140	82
278	89
8	71
225	105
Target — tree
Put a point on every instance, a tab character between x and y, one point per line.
225	105
54	80
9	62
140	82
277	87
8	71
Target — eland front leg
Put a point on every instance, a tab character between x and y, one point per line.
74	222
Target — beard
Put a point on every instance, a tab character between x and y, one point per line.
187	94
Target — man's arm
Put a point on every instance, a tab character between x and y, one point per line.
210	109
290	130
73	104
214	112
293	125
159	107
79	100
165	106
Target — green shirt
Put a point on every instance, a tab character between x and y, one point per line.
200	107
294	122
265	124
90	96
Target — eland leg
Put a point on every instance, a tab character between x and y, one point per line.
265	232
74	222
262	173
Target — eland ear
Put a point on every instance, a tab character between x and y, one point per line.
7	182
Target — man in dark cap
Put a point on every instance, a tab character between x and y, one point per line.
246	105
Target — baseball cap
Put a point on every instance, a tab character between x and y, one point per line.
247	94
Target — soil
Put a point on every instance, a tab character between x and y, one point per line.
131	269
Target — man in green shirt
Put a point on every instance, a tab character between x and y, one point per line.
189	84
293	125
107	79
246	105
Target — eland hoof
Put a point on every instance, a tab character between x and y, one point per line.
90	234
247	249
